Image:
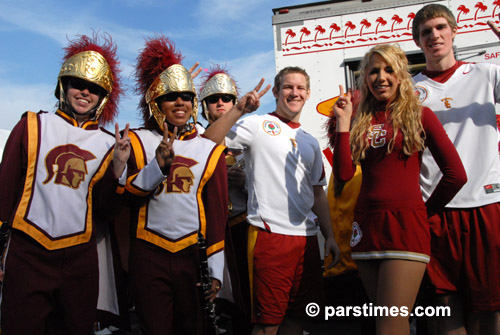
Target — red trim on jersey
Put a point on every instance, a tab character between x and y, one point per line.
443	76
329	155
268	229
291	124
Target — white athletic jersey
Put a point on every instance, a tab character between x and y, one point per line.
282	164
465	105
175	213
64	164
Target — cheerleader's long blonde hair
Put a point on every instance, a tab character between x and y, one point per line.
405	111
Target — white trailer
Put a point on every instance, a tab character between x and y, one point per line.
328	39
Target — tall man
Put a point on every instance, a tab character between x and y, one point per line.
287	205
58	175
465	257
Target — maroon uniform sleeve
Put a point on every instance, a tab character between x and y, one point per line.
448	160
215	200
343	168
105	197
13	169
136	162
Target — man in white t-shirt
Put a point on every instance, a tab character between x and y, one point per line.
465	259
287	205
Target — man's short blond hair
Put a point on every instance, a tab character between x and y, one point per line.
288	70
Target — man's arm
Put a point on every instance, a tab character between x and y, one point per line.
320	208
121	151
246	104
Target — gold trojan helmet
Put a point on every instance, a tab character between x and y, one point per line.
174	79
87	60
159	72
218	81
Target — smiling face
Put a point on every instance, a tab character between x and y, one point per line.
291	95
435	38
177	107
83	97
381	79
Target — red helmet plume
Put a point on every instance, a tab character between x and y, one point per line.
212	71
158	54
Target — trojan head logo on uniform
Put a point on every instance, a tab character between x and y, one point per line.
69	164
181	177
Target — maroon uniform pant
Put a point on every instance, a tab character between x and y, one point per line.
167	300
49	291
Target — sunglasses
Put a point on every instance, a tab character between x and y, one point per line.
224	97
81	85
173	96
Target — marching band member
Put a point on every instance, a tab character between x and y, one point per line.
176	196
58	174
218	94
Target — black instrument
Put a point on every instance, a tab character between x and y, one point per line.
4	241
206	284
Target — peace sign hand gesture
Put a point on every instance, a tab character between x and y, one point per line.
121	151
250	102
165	151
343	110
194	71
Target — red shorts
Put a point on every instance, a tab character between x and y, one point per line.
466	255
392	234
287	276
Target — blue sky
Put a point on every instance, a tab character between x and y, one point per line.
234	33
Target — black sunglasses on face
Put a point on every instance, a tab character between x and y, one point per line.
81	85
213	99
185	96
